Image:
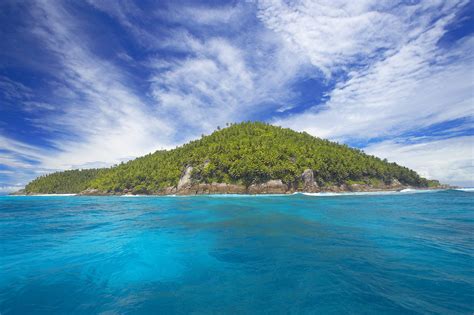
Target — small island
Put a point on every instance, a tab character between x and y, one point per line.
244	158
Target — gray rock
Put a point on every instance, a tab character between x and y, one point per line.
308	176
213	188
170	190
93	192
309	184
185	180
395	183
274	186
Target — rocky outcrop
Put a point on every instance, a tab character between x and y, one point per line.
170	190
270	187
185	180
395	183
93	192
188	186
309	185
213	188
335	188
274	186
358	187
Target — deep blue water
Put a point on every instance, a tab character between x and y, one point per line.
383	254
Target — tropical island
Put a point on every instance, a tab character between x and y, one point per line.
244	158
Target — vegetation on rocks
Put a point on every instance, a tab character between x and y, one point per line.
73	181
246	153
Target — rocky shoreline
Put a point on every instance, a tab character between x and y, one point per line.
223	189
187	186
274	187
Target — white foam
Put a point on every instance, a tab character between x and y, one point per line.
227	195
320	194
206	195
135	196
468	189
369	193
417	191
53	195
244	195
362	193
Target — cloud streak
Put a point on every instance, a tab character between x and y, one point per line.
413	84
448	160
104	118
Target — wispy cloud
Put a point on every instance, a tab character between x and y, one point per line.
19	163
12	90
5	189
213	76
412	84
21	150
221	82
204	16
449	160
408	90
106	120
344	34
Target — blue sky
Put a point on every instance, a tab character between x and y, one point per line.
92	83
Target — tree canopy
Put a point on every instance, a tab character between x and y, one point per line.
72	181
244	153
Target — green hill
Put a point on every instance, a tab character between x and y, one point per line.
242	154
72	181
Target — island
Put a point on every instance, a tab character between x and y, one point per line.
243	158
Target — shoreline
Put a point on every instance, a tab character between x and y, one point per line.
324	193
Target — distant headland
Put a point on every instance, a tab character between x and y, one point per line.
244	158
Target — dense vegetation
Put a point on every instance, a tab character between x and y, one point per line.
244	153
73	181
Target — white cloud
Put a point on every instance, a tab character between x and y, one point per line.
17	150
401	93
335	34
32	106
224	80
449	160
207	16
22	162
285	108
105	120
209	88
12	90
221	81
413	84
6	189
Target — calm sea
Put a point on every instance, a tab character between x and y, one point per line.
404	253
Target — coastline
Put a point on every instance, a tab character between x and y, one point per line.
197	190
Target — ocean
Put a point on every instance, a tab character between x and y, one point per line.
398	253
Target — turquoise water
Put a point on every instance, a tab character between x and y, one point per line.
298	254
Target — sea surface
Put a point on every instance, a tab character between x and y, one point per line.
399	253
